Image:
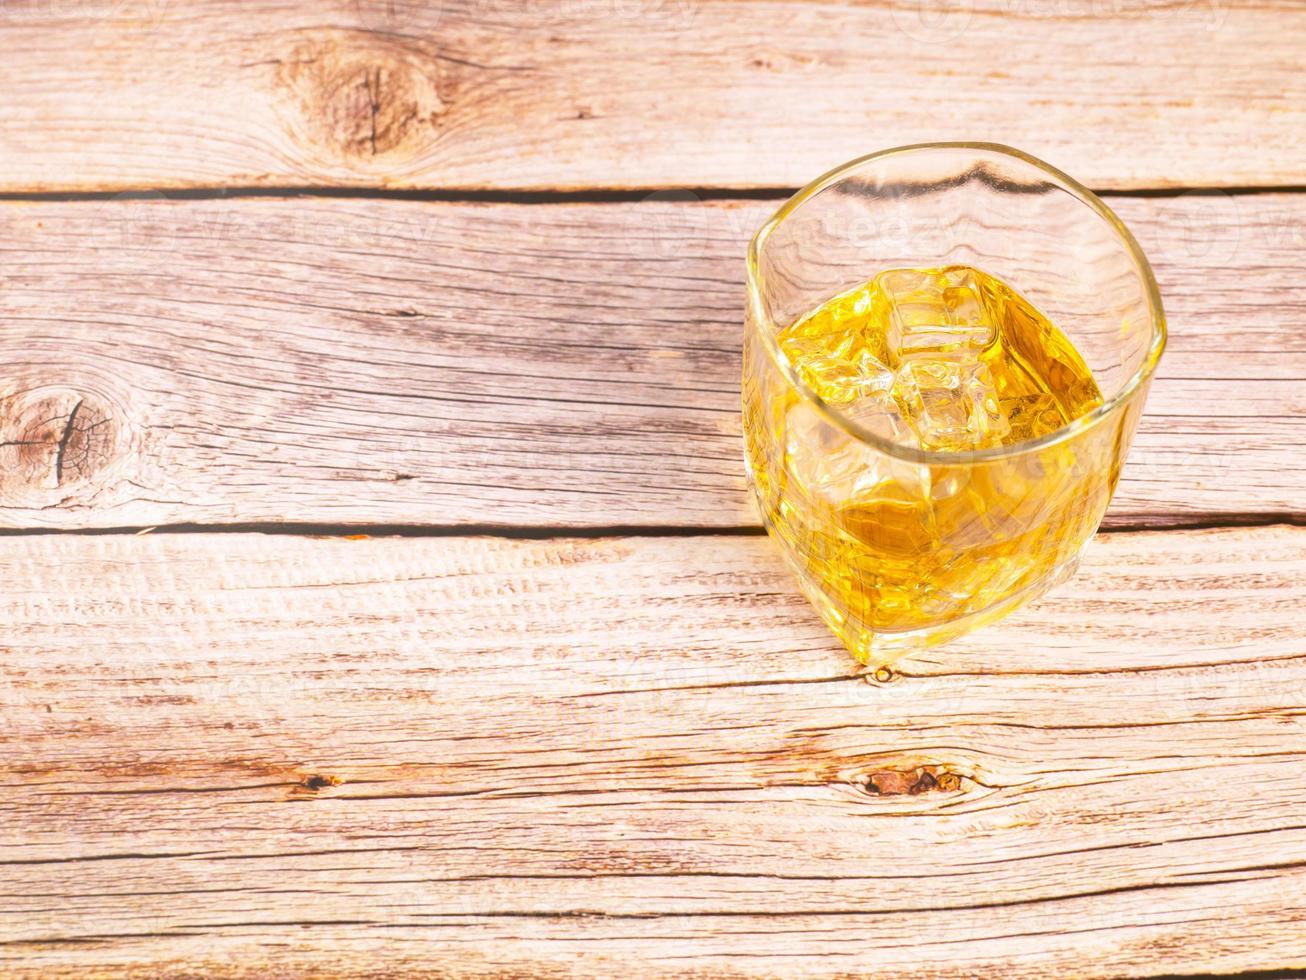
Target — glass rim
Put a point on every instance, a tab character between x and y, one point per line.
762	317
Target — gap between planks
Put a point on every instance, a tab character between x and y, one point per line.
548	532
526	196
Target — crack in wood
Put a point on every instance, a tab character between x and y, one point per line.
62	449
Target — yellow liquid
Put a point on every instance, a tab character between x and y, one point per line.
945	360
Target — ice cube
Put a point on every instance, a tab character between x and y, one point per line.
820	458
933	312
880	415
951	403
839	372
834	467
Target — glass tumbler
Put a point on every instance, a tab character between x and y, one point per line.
929	544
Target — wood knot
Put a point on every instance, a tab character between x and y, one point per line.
363	96
54	438
910	782
317	782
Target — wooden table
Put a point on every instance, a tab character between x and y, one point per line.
381	595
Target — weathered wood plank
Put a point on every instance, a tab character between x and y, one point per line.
243	754
340	361
111	94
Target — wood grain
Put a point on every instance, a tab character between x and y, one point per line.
395	362
246	755
476	94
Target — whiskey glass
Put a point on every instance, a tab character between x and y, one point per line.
929	545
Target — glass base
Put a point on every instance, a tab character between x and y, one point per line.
881	649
